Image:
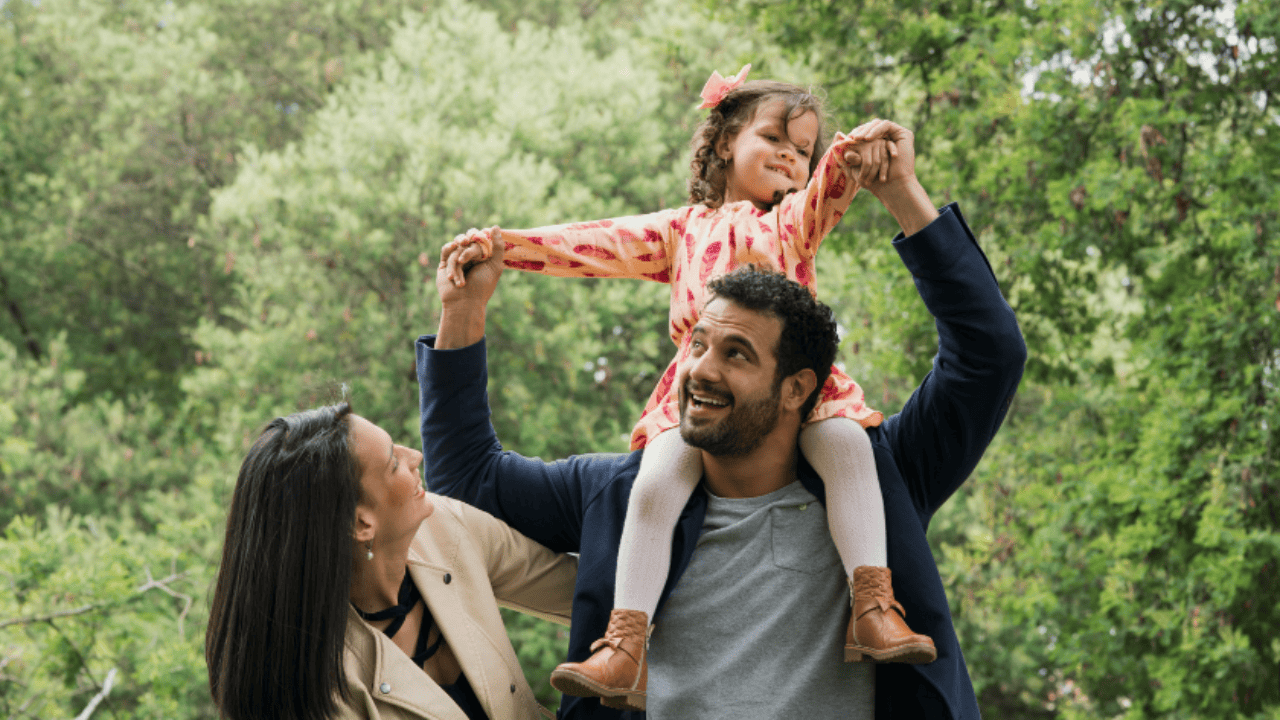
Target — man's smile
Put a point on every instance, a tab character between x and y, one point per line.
701	401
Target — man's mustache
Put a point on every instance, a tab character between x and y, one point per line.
691	387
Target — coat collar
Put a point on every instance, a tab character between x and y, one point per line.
374	661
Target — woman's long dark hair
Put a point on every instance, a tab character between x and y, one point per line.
276	628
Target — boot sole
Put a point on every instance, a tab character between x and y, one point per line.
908	654
572	683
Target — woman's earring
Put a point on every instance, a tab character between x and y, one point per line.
369	547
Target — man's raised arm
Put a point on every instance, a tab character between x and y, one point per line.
947	424
462	457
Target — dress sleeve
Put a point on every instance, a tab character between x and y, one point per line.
640	247
805	218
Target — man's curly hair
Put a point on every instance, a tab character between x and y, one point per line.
726	120
809	338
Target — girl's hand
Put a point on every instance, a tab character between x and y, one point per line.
902	150
867	161
461	261
473	246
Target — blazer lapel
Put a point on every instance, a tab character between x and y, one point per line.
431	560
470	646
392	678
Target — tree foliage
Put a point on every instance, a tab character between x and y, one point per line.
215	212
289	173
1117	554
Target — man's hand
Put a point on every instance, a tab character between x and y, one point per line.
472	257
902	153
465	283
864	161
467	249
898	189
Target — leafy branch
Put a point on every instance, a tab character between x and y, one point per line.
162	585
102	694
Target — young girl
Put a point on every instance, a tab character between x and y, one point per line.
752	202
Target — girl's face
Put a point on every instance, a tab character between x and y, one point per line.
770	155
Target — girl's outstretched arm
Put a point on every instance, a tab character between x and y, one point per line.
640	247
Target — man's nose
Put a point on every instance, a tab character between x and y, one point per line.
704	367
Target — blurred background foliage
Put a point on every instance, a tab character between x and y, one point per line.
215	211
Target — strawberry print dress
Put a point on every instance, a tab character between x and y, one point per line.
684	247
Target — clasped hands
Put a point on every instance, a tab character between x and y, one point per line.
878	166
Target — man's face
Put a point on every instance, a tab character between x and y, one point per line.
730	396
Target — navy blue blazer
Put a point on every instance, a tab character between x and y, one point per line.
923	454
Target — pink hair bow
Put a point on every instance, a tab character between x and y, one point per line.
717	87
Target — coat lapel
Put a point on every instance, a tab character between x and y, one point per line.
379	661
472	647
392	678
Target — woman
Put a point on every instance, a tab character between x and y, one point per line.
346	590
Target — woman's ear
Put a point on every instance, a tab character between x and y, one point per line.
797	388
366	526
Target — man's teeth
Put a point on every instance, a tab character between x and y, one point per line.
709	401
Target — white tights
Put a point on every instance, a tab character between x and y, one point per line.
838	448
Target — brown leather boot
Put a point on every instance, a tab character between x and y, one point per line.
617	670
878	628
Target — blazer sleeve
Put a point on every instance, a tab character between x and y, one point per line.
945	427
525	576
463	459
639	247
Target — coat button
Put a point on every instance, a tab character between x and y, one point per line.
385	688
513	687
448	578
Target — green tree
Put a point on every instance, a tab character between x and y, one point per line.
119	120
105	563
468	118
1116	555
462	124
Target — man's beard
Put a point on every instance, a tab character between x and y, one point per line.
740	431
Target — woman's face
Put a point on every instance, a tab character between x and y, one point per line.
392	490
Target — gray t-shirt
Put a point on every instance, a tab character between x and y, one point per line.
755	627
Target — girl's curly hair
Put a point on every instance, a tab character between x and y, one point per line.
726	120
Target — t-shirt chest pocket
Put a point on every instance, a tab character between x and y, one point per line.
801	539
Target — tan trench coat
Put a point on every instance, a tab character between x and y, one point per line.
465	563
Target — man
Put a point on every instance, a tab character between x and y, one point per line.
726	644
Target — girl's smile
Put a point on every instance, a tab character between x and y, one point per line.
769	157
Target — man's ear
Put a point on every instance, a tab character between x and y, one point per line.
797	388
366	526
